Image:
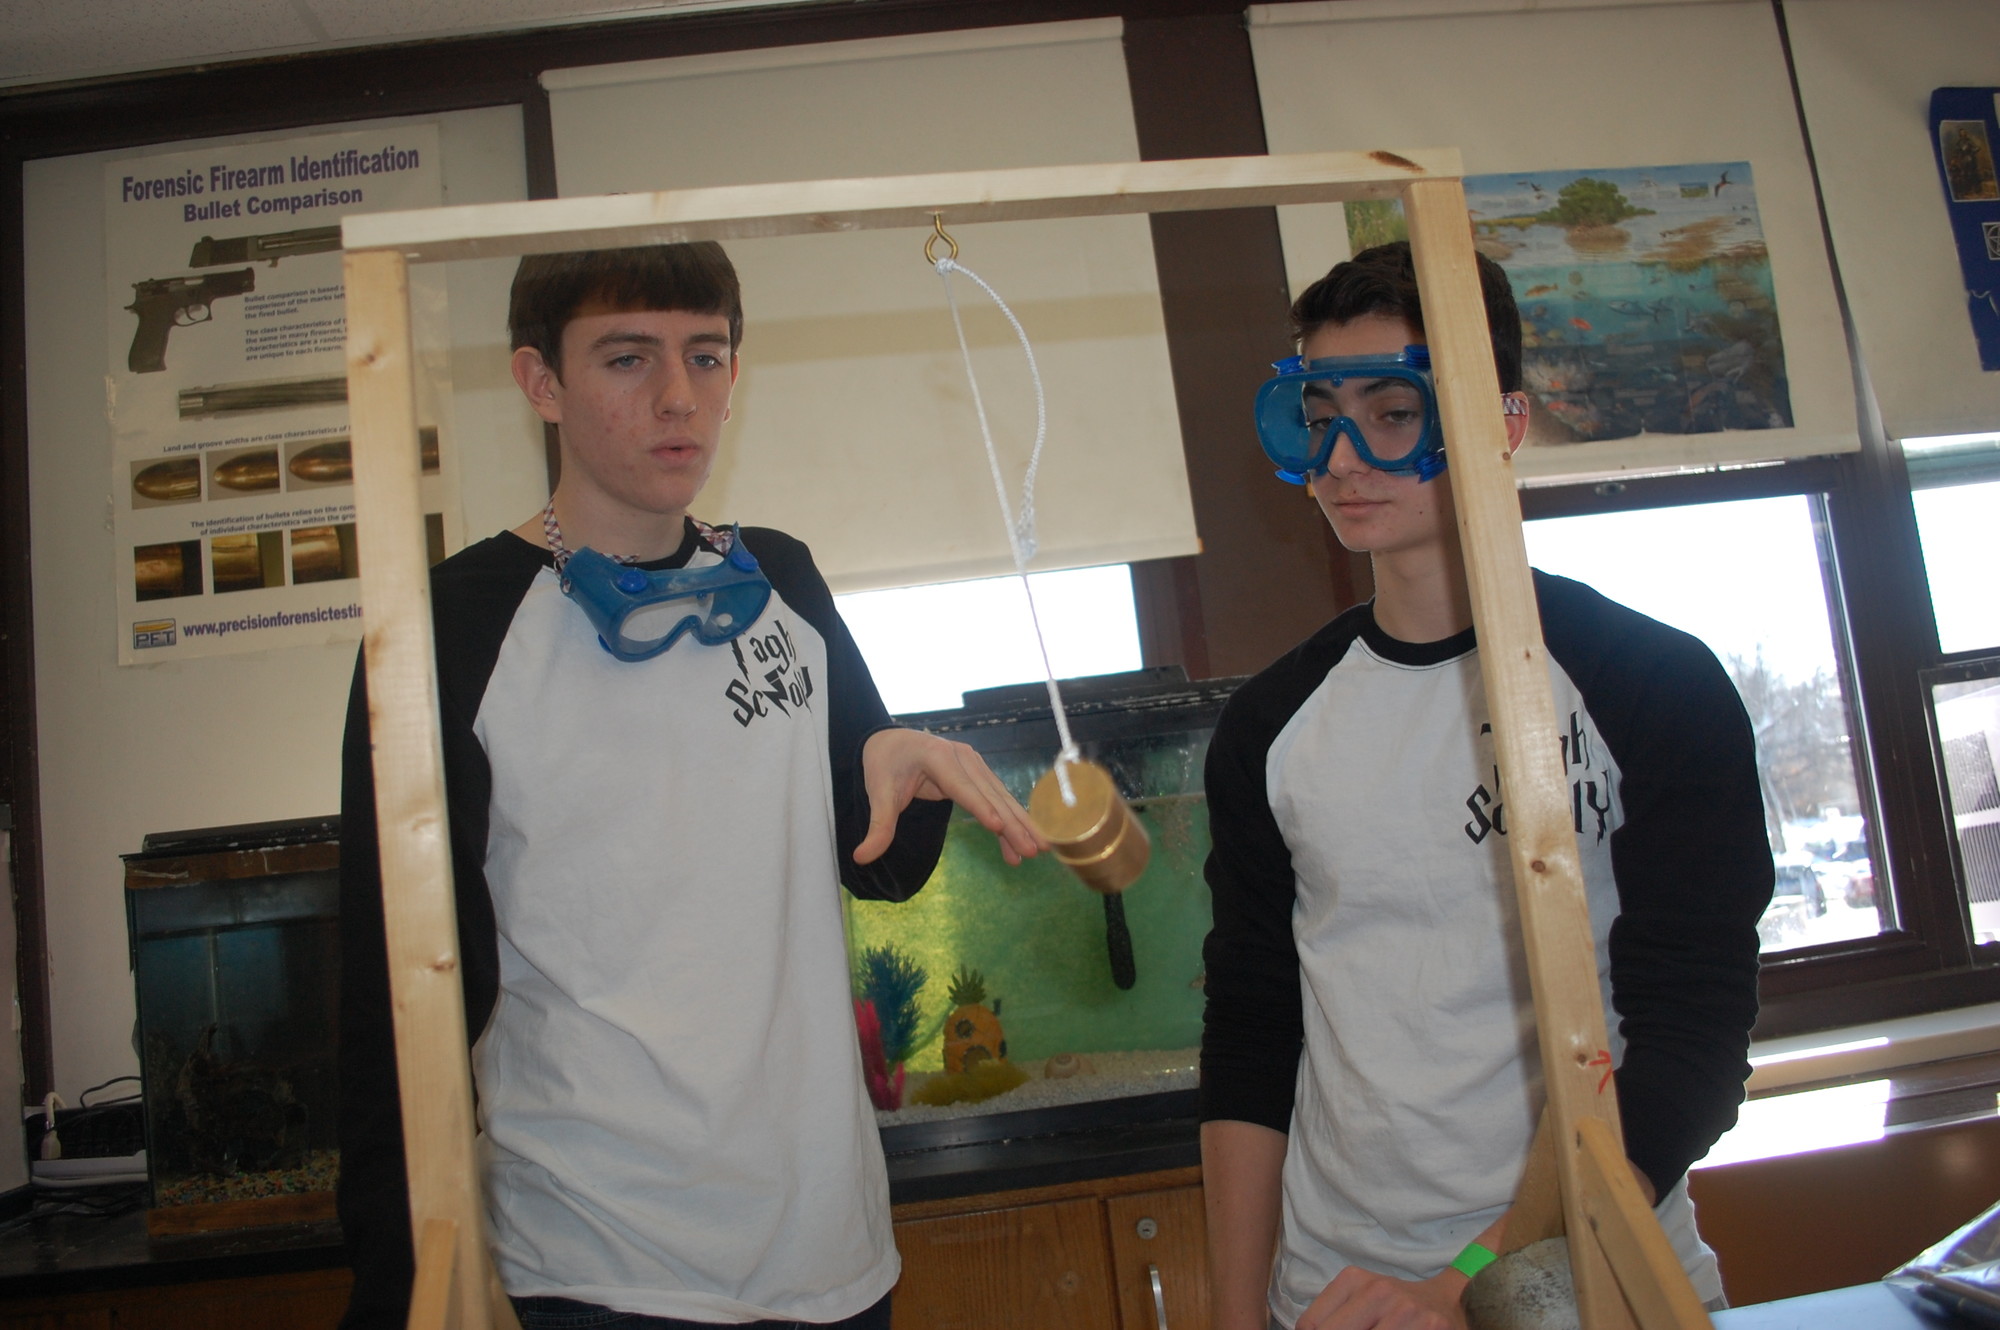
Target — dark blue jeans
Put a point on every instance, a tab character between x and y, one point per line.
563	1314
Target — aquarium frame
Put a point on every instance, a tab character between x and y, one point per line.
1623	1265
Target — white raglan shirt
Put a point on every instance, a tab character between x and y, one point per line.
1384	787
639	1152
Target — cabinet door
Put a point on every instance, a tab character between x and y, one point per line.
1033	1265
1159	1253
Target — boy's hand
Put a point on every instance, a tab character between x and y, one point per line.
899	765
1360	1299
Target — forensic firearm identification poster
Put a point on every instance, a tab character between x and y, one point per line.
232	479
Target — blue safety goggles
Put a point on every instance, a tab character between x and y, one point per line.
635	612
1385	405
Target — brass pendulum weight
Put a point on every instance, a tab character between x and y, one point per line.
1096	836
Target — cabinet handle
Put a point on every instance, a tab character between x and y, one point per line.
1159	1299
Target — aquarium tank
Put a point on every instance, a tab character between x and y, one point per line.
999	988
235	958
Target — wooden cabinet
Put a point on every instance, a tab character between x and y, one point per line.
1081	1256
1076	1257
310	1300
1159	1259
1038	1265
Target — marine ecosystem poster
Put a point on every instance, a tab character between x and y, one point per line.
1645	294
232	496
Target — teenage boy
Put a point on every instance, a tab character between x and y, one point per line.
1370	1080
661	766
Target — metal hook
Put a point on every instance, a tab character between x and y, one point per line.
938	233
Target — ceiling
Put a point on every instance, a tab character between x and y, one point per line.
62	40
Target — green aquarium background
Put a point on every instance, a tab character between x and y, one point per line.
1039	936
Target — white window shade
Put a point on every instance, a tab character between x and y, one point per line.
1527	87
854	427
1866	72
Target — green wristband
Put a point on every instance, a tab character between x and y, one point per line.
1473	1259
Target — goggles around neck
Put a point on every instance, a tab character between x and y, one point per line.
1385	405
633	609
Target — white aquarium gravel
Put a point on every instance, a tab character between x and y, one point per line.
1111	1076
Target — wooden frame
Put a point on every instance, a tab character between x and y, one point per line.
1623	1267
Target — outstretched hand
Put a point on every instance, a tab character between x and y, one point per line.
899	765
1360	1299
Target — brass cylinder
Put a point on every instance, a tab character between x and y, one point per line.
159	570
249	472
1097	837
324	463
171	481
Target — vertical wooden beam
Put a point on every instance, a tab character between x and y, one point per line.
1614	1211
419	914
1267	574
436	1295
1548	872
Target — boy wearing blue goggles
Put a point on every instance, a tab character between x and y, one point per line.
664	758
1385	406
1367	1098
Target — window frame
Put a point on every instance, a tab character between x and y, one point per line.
1885	638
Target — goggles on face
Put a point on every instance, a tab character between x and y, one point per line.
635	612
1385	405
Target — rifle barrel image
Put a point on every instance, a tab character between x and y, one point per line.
166	303
210	252
268	395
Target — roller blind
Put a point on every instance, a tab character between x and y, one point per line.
854	426
1661	99
1866	71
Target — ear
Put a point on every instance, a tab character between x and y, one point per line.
735	368
1516	407
538	383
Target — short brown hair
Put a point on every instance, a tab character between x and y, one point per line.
550	288
1383	280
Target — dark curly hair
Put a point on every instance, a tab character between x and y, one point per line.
1383	280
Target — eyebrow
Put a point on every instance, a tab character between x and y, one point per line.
622	337
1317	390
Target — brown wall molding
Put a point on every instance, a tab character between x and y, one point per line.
20	785
1265	579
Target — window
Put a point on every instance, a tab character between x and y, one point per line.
1955	485
927	645
1965	722
1748	578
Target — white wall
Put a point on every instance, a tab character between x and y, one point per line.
1868	103
248	738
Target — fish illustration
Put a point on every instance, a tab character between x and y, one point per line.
1733	361
1581	325
1541	290
1582	417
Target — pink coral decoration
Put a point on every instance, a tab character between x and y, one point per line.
885	1087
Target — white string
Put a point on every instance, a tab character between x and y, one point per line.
1021	529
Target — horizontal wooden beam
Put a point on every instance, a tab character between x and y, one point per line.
727	212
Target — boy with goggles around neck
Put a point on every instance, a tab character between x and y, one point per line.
1370	1081
664	757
